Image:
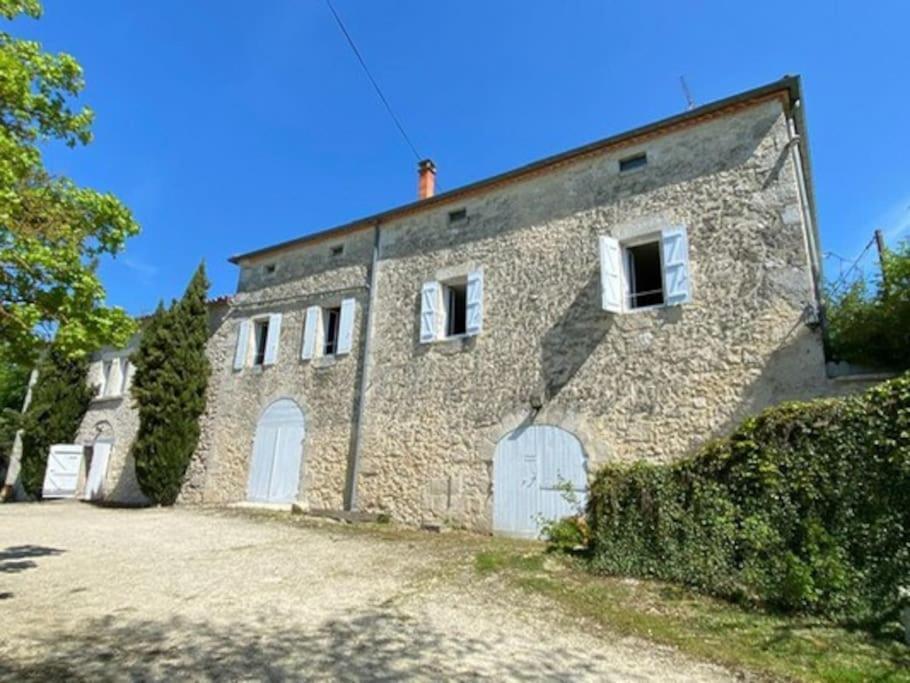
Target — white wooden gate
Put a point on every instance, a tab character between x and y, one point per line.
539	473
277	451
64	465
97	471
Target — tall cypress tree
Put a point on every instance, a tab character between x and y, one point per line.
60	399
169	384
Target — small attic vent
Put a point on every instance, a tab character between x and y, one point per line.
337	250
633	162
458	215
269	268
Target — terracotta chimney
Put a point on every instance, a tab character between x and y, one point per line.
426	179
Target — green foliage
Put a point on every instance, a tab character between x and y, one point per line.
803	509
60	399
52	232
566	534
13	385
169	384
872	328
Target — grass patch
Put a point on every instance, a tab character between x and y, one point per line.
779	647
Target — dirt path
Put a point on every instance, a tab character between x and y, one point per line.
160	594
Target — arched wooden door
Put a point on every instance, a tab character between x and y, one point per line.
277	453
539	474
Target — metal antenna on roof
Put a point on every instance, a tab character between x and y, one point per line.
690	103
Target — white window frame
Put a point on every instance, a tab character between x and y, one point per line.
472	282
660	237
257	324
445	288
112	385
326	312
626	262
318	337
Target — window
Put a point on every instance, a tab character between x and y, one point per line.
103	387
337	250
260	341
644	275
451	309
633	162
258	338
456	308
269	268
331	318
646	271
124	373
458	215
328	330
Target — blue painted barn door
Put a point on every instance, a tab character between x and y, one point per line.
539	473
277	452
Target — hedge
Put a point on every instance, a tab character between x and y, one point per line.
805	508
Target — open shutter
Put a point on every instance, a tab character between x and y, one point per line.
310	328
429	312
474	304
243	344
271	343
346	327
675	252
610	274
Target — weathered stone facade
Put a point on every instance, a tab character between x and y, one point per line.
114	418
410	428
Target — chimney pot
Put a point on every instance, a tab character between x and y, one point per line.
426	179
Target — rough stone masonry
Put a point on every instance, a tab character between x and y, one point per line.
402	416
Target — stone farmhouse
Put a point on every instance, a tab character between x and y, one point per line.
469	358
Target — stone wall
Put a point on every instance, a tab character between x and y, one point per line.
114	419
324	388
651	384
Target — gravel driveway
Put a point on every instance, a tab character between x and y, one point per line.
96	593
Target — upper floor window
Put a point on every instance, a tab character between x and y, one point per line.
633	162
257	341
328	330
331	318
260	341
452	308
455	295
113	379
645	272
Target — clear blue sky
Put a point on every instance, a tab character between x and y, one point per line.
227	125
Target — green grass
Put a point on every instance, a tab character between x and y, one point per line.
777	647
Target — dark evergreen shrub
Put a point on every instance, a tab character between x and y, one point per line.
804	508
60	399
169	384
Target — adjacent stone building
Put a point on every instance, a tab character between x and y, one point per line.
469	358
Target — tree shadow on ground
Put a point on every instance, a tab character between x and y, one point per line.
15	559
375	644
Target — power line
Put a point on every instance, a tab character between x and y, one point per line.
372	80
842	278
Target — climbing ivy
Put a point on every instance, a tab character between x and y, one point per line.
804	508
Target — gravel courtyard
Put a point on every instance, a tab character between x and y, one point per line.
151	594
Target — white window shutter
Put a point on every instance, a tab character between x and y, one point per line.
474	323
611	274
675	253
310	328
273	339
346	327
243	344
429	312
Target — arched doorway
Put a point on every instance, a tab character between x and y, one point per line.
277	452
539	474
